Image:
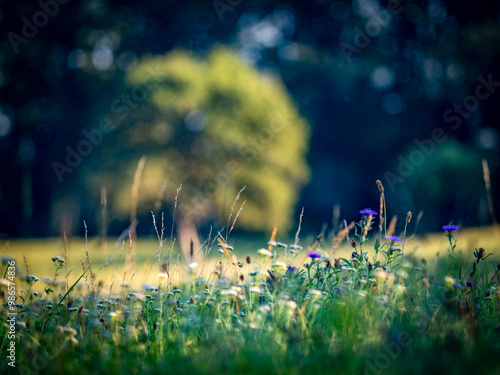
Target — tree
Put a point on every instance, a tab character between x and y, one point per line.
215	124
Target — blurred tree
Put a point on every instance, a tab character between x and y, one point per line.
213	124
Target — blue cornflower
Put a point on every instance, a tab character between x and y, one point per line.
450	228
354	254
469	284
368	211
69	305
313	255
457	286
291	269
393	238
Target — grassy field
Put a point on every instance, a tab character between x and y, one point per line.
364	307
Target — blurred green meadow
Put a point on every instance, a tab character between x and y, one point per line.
111	256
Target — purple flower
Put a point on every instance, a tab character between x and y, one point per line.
338	291
393	238
354	254
457	286
313	255
69	306
450	228
368	211
469	284
291	269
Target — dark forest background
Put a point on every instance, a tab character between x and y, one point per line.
372	89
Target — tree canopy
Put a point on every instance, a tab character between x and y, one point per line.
215	124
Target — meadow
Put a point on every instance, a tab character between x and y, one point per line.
362	300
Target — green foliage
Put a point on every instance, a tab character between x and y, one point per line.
214	124
376	312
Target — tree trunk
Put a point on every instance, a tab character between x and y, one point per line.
187	235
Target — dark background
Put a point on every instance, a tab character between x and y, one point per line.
365	112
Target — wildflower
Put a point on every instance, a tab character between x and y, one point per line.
469	284
315	292
265	308
229	292
192	265
319	238
265	253
450	228
449	281
279	265
291	269
149	288
58	259
393	238
457	286
294	248
379	273
31	278
403	274
353	243
313	255
368	211
249	260
408	217
163	275
354	254
255	289
242	277
370	267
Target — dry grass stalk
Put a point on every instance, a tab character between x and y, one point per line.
392	226
133	207
487	184
342	234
